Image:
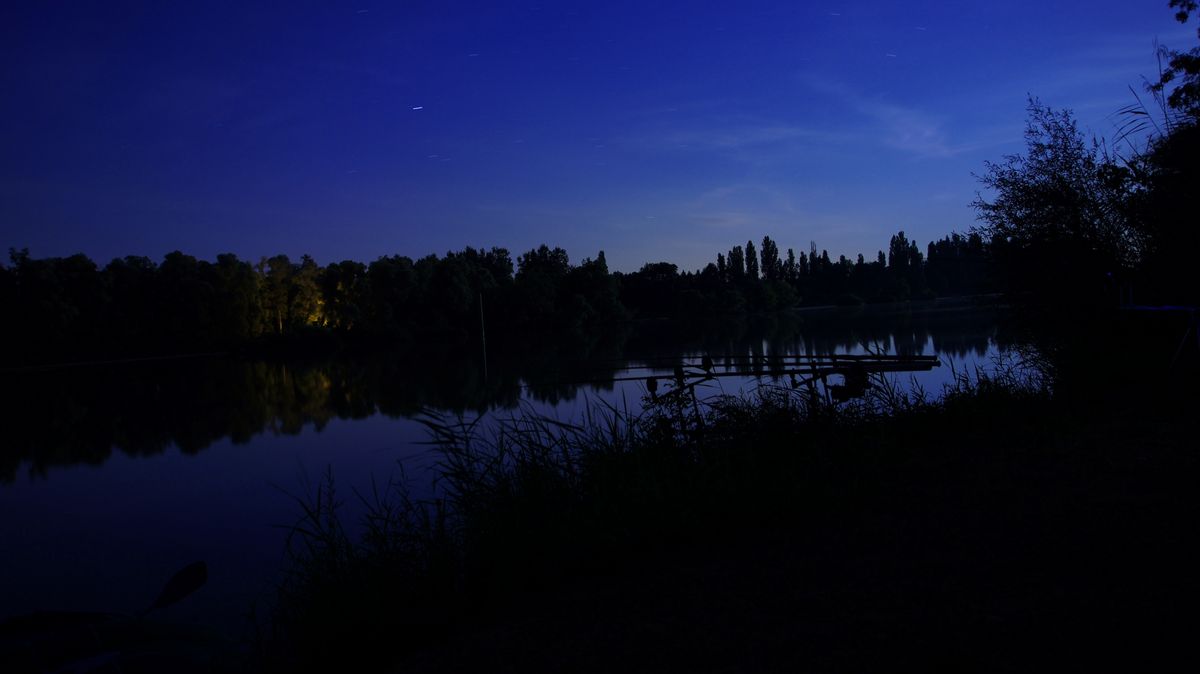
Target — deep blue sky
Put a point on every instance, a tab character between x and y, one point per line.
652	130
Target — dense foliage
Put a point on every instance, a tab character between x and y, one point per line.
70	307
1074	223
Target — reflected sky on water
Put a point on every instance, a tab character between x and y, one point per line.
113	477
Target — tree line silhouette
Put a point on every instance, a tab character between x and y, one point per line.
71	306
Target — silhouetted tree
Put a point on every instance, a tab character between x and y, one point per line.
305	304
1059	218
186	300
344	287
771	268
957	265
132	312
737	263
751	261
1183	68
276	273
238	314
1169	172
593	295
654	290
392	295
540	274
8	288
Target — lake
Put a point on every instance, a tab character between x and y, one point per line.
113	476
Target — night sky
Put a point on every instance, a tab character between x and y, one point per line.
652	130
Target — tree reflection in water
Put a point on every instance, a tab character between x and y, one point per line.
82	414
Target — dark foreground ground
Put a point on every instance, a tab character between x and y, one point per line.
1022	547
1012	563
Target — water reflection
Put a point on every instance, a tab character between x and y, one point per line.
82	415
951	331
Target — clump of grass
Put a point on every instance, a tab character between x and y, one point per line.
528	501
343	596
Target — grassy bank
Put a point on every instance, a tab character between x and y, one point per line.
997	527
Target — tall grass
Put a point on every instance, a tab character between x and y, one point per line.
527	501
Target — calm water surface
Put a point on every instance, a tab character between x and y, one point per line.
113	477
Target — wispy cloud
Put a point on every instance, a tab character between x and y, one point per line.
909	129
752	140
724	220
741	196
905	128
741	137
